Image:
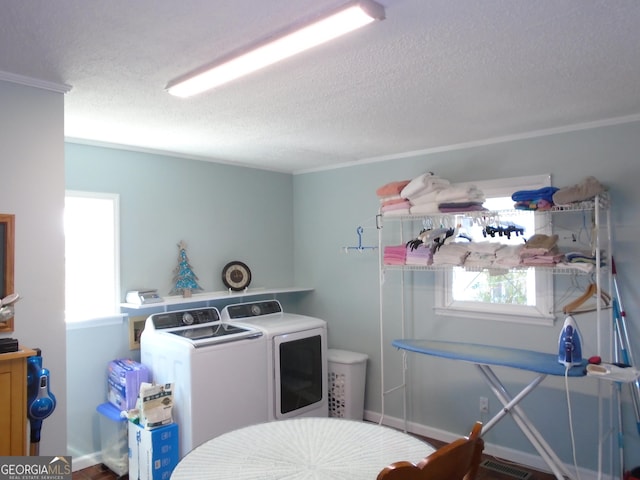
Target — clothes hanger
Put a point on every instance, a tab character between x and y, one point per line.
591	291
359	247
574	288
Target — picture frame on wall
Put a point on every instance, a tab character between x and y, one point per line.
7	247
136	326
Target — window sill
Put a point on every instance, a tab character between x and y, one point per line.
515	317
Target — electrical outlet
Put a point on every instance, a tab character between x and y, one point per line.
484	405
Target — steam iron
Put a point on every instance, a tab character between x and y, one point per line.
569	344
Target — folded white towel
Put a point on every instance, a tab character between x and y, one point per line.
506	251
426	182
426	197
484	247
425	208
509	255
469	193
479	260
451	254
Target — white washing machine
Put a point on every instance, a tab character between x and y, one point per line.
296	358
218	371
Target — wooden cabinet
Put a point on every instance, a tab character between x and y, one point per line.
13	402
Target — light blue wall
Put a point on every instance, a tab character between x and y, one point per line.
329	205
291	231
223	213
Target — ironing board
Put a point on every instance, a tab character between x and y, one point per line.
485	356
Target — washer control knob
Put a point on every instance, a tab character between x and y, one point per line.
256	310
187	318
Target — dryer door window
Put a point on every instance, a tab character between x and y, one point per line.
300	372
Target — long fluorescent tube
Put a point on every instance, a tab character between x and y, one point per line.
348	18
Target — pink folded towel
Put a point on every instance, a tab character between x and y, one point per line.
392	188
396	206
394	254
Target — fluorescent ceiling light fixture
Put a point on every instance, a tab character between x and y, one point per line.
347	18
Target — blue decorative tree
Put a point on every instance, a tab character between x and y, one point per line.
184	278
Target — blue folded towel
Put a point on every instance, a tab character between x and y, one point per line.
545	193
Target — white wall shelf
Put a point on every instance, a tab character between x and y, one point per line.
171	303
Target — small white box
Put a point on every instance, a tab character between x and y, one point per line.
153	454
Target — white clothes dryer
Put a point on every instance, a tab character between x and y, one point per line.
296	357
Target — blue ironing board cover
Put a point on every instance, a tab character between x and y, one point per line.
539	362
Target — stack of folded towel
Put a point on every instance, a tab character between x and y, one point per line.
481	254
582	260
394	255
391	203
422	191
423	185
508	256
588	188
451	254
455	198
429	193
541	199
420	255
541	250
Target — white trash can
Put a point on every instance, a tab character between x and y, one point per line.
347	375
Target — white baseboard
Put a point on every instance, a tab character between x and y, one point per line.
86	461
510	455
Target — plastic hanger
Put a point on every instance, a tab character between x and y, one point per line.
360	247
591	291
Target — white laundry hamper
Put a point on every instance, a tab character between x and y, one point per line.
347	376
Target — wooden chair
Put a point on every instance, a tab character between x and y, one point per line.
458	460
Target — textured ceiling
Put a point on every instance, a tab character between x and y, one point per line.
435	73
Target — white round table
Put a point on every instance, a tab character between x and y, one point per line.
301	448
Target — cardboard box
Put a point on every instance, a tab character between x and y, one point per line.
153	454
124	377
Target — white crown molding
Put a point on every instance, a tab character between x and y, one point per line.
167	153
35	82
607	122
